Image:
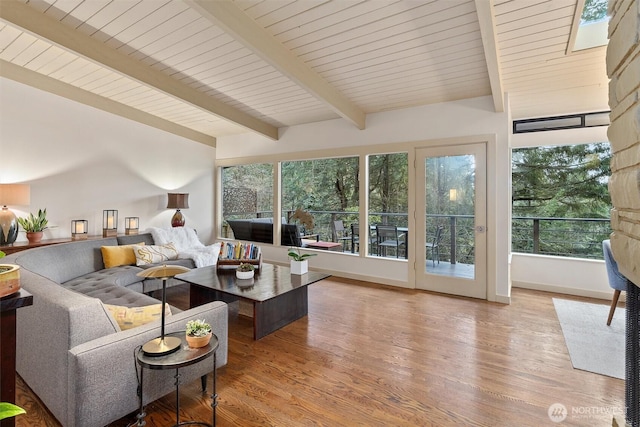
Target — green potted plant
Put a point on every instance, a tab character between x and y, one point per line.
245	271
34	225
299	263
198	333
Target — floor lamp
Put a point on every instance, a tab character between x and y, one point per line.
162	345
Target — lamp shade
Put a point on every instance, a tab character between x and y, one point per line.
162	271
15	194
178	201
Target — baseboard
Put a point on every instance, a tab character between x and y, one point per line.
565	290
365	278
503	299
361	277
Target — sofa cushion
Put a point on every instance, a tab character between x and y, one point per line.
133	239
108	285
123	275
154	254
115	256
130	317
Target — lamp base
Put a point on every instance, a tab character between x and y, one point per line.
8	227
161	346
177	220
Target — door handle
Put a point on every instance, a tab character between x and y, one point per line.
480	228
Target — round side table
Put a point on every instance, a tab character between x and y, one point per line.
184	356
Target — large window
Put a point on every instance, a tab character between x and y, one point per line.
247	193
316	193
561	203
388	201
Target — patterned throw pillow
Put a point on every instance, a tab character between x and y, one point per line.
153	254
130	317
115	256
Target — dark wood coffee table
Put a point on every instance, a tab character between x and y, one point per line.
277	296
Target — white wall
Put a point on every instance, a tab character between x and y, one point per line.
418	126
80	161
557	274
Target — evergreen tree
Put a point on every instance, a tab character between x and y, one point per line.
566	181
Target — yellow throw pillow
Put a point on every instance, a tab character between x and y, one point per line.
114	256
130	317
153	254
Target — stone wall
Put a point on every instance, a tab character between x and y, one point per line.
623	68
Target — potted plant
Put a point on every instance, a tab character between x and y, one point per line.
299	263
34	225
198	333
245	271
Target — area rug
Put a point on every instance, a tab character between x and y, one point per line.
593	346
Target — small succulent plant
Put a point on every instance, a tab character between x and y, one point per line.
245	266
198	328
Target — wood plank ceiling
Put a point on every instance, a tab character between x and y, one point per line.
202	68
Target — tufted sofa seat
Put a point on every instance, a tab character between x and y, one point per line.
110	286
71	351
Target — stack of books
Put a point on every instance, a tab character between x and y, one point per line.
239	251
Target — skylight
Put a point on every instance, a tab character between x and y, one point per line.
592	31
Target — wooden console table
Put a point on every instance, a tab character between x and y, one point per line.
8	307
23	246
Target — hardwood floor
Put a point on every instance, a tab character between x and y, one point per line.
371	355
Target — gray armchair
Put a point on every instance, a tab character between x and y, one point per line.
616	280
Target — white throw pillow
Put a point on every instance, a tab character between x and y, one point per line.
153	254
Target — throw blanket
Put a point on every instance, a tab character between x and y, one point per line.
187	243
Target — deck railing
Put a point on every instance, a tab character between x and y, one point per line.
569	237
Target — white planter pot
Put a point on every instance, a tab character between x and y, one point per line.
244	274
299	267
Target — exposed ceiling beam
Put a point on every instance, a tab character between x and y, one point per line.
225	14
48	84
41	25
489	42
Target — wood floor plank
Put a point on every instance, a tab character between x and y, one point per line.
371	355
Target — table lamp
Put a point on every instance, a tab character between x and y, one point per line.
11	194
162	345
177	201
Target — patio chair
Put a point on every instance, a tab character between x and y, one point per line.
291	235
340	234
435	245
616	280
388	237
355	239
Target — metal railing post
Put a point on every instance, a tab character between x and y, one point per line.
453	223
536	236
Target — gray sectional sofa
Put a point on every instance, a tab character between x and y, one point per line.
71	351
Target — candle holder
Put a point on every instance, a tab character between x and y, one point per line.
131	225
109	223
79	229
